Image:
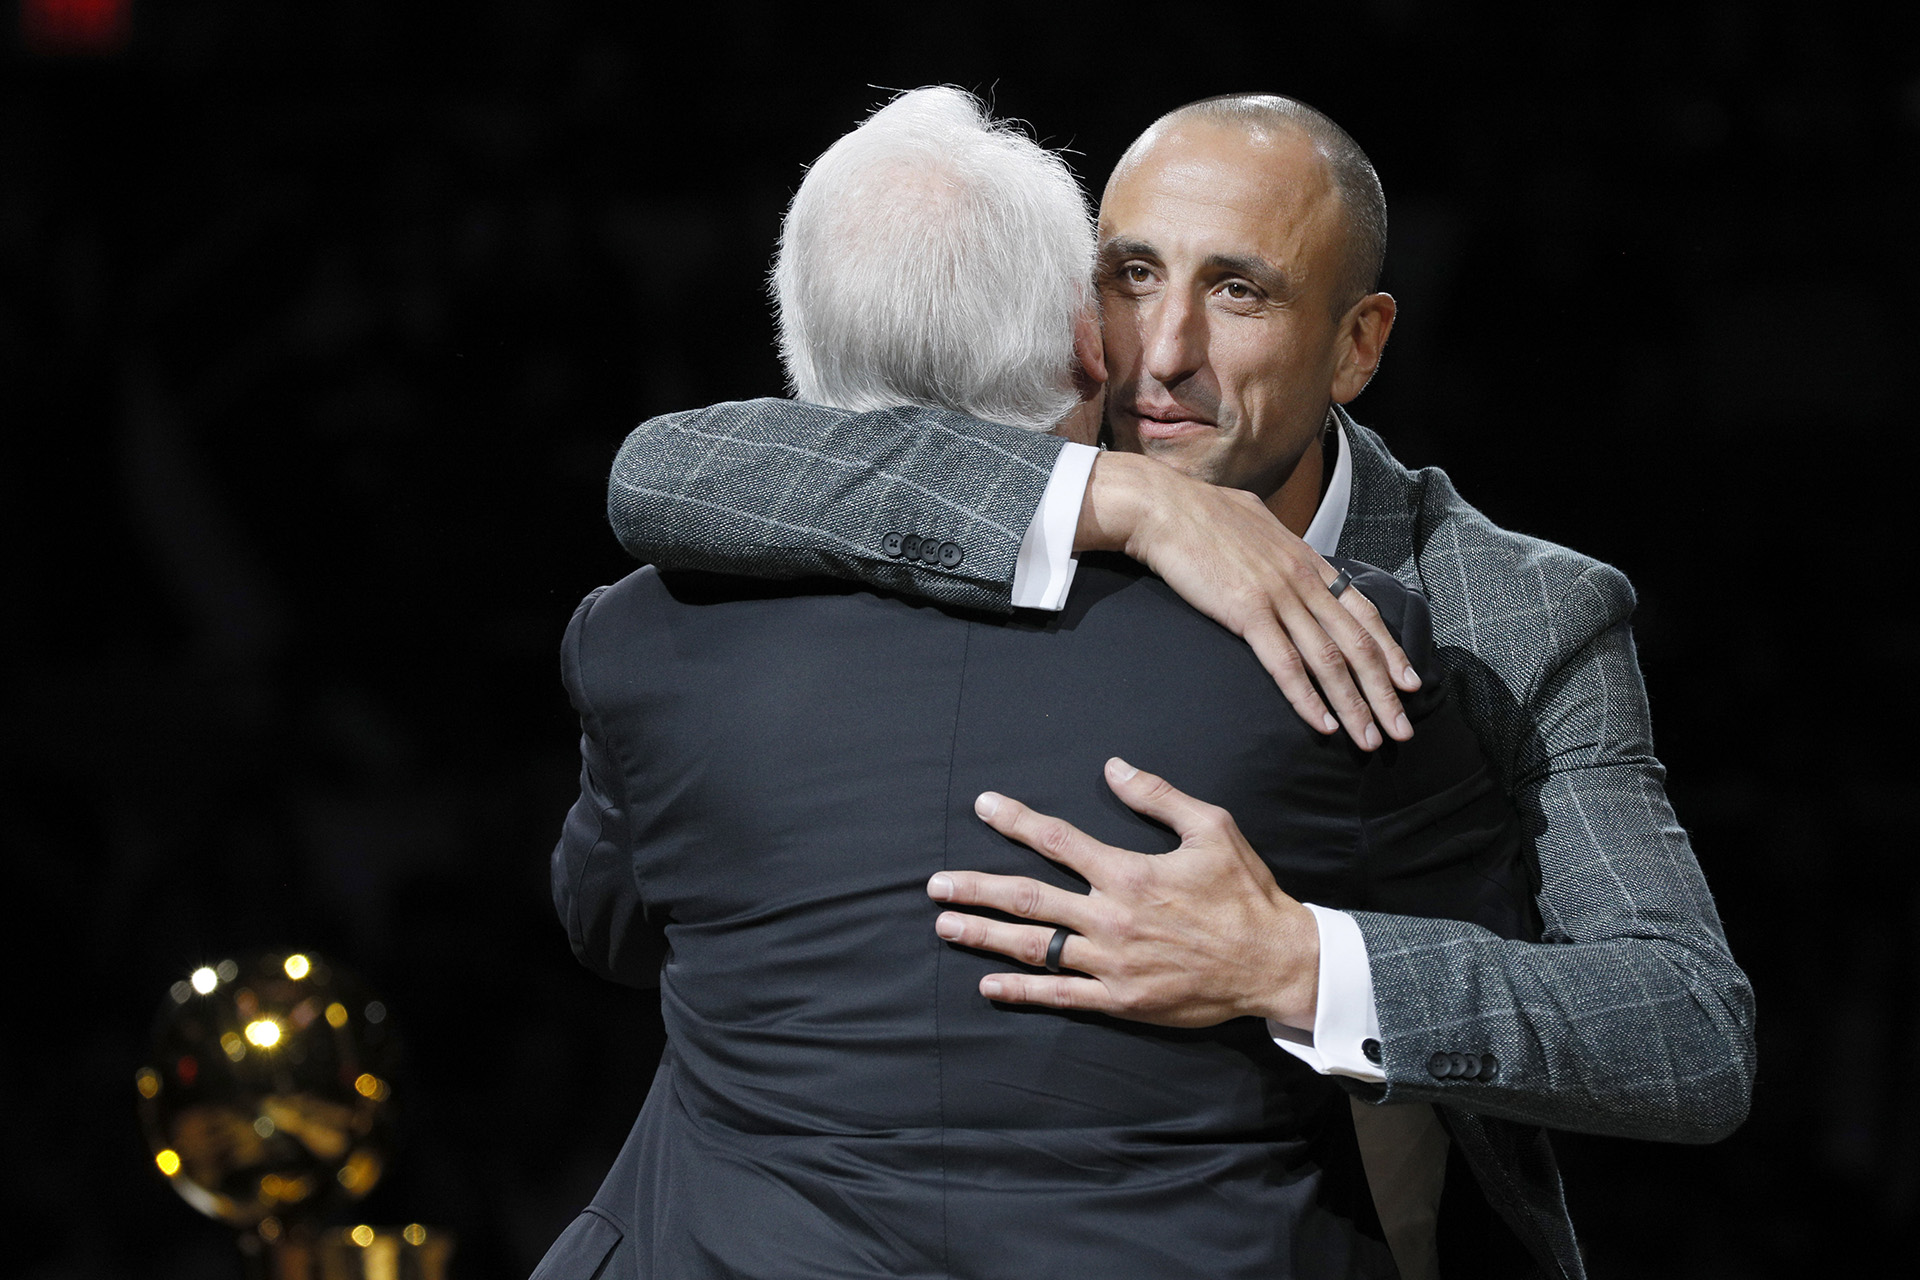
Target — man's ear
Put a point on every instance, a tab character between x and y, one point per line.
1089	355
1362	339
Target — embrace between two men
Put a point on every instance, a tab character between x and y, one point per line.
1423	899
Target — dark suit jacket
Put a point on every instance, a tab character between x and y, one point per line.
772	772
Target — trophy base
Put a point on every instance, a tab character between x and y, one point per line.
412	1252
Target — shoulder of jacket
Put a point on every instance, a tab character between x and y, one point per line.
1394	597
1567	581
600	606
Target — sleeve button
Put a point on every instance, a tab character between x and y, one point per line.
891	544
951	555
1440	1066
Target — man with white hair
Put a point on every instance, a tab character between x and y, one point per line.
933	258
773	772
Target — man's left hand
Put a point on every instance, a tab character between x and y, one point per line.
1189	938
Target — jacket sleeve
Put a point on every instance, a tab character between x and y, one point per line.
780	489
1630	1018
595	890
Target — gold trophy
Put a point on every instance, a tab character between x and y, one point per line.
266	1102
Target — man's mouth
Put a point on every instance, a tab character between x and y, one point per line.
1170	423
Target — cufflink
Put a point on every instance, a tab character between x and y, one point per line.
1370	1050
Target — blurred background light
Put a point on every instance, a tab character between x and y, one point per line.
75	28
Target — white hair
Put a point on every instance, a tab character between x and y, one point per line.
935	256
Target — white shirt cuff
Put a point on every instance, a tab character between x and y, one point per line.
1045	568
1344	1017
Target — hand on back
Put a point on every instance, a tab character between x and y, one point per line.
1188	938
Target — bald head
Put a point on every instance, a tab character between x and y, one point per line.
1236	277
1363	206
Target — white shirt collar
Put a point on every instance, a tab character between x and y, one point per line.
1323	535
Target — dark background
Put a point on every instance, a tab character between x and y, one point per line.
319	325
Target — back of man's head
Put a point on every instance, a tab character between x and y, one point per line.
935	256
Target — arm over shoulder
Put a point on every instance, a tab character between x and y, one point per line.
924	501
1631	1017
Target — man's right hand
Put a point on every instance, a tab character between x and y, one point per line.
1229	557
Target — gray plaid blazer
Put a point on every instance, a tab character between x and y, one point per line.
1628	1018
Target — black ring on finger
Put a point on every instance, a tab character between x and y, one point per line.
1055	947
1340	584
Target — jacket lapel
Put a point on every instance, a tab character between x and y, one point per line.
1382	510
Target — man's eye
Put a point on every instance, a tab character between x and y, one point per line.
1134	273
1239	291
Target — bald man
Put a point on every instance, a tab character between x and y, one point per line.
1241	240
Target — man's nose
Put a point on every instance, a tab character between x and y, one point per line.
1175	341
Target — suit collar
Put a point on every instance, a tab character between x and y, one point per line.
1383	500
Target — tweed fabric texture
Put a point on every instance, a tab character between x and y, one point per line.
780	489
1630	1018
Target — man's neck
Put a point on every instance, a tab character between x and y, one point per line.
1296	500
